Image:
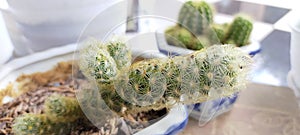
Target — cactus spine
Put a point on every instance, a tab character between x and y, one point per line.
239	31
62	109
195	16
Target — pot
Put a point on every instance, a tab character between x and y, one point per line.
172	123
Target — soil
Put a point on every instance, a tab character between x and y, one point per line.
35	88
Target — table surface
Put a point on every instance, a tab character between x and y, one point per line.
260	110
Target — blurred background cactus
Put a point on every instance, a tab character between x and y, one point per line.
59	117
195	16
239	31
196	28
62	109
181	37
220	30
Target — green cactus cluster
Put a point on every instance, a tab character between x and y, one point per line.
101	61
59	114
98	106
103	70
196	29
239	31
159	83
62	109
214	72
120	53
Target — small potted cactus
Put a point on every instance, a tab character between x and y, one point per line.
196	30
195	22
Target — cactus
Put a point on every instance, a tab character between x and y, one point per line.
92	102
172	71
178	36
220	31
195	16
211	73
97	64
120	53
112	99
181	37
38	124
143	84
239	31
62	109
159	83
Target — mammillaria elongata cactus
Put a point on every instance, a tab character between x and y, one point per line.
114	57
239	31
120	53
216	71
62	109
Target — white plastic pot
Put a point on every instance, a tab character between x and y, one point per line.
36	25
172	123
